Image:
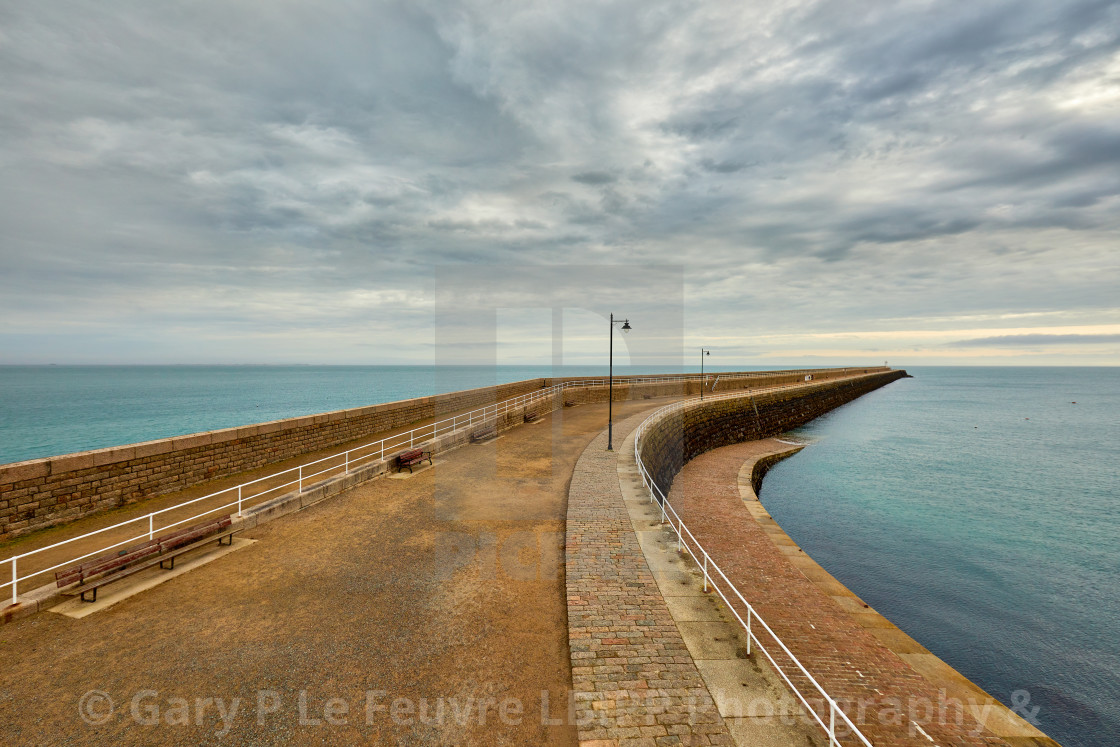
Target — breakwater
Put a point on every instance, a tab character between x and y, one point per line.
42	493
856	654
683	434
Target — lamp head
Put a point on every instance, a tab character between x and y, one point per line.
626	326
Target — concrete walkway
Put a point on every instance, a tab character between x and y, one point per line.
656	660
757	707
423	610
635	682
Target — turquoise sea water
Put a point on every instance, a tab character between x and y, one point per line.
51	410
979	510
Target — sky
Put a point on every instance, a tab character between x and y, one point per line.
811	183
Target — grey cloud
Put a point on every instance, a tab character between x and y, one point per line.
722	167
916	160
594	178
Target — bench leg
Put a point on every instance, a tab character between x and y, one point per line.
230	538
94	599
167	567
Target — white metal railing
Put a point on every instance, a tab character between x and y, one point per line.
256	491
687	541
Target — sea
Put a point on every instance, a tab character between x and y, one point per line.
979	510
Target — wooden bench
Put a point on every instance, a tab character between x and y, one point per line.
156	551
484	433
411	457
531	417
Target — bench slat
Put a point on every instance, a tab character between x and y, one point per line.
105	558
190	535
182	532
107	563
67	577
78	572
223	521
120	560
147	563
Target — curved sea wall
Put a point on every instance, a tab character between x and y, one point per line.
41	493
679	435
856	654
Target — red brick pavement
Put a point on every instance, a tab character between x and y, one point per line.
634	680
886	698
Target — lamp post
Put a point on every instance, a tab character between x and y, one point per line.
610	385
703	352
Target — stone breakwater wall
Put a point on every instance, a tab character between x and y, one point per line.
680	435
41	493
45	492
681	388
763	464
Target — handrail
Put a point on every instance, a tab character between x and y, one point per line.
707	565
346	461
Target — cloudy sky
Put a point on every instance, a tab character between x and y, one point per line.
804	182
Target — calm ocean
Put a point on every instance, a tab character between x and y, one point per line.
979	510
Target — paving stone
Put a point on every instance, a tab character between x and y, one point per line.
635	664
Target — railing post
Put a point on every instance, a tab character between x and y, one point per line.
301	478
346	467
239	500
750	611
705	572
15	588
151	526
831	722
410	433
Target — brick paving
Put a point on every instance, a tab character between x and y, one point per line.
892	704
634	682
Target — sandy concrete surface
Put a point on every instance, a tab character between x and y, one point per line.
423	610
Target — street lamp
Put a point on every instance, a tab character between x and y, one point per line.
610	386
703	352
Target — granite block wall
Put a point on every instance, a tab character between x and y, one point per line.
678	436
45	492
